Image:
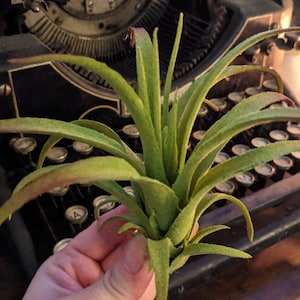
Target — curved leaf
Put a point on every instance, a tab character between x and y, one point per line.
210	199
82	171
205	248
245	162
99	127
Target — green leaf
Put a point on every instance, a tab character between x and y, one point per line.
203	232
205	248
169	77
159	254
160	201
99	127
245	162
133	203
180	260
64	129
150	144
170	148
209	199
193	98
246	115
82	171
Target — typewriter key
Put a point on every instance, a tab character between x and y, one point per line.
236	97
282	164
57	154
221	157
226	187
278	135
220	103
59	190
131	136
76	214
295	156
201	120
270	85
262	173
101	206
82	148
244	180
293	130
239	149
24	145
258	142
251	91
129	190
197	136
61	245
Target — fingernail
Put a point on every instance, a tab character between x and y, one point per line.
136	254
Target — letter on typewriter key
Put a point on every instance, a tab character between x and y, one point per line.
76	215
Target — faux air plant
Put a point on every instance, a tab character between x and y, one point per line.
171	192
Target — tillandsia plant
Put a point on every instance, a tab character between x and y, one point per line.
171	191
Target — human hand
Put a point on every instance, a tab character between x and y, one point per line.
97	265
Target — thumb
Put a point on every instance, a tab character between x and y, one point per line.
128	279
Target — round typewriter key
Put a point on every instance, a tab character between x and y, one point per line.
270	85
131	136
82	148
251	91
295	156
197	136
294	131
61	245
239	149
101	206
57	154
129	190
226	187
262	173
202	111
258	142
201	120
24	145
236	97
59	190
220	103
282	164
221	157
244	180
131	131
76	214
278	135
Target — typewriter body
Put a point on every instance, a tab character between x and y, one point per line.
99	29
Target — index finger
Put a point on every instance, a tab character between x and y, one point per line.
97	244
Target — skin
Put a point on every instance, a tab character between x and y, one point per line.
97	265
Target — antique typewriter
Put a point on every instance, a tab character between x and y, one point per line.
99	29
